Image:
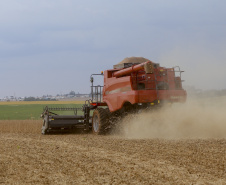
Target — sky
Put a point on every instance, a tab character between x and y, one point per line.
52	47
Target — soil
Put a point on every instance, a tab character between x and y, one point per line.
27	157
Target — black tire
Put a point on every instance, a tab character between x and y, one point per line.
100	121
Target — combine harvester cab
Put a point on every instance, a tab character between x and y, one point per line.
129	87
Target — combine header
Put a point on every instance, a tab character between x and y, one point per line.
129	87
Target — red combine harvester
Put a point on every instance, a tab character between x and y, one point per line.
128	88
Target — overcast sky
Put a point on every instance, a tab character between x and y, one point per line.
52	46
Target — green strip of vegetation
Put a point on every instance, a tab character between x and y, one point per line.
33	111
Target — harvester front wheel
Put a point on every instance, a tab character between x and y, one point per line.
100	121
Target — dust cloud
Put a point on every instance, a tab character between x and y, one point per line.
200	119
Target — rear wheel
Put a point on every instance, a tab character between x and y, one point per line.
100	121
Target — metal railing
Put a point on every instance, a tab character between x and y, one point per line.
97	93
163	84
96	90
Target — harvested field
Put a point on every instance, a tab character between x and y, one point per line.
27	157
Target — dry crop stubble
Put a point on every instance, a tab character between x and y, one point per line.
27	157
91	159
20	126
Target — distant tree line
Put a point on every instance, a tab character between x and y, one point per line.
39	99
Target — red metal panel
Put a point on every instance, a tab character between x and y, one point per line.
119	89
